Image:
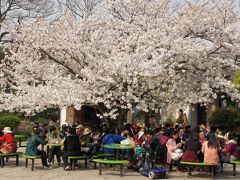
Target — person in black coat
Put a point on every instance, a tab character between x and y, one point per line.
72	147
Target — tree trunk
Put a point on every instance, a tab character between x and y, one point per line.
113	123
158	117
121	118
146	119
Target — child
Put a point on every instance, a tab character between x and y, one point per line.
32	145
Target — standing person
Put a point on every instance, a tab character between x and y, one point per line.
54	137
182	118
211	149
32	145
9	143
72	147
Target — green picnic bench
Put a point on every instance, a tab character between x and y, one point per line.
19	138
235	163
100	156
202	164
7	155
111	162
32	158
73	160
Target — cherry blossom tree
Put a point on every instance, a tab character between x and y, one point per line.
15	12
135	54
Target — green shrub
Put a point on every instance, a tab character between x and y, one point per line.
227	119
44	116
169	121
9	120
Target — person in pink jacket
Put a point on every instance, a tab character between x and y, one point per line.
173	151
211	149
230	152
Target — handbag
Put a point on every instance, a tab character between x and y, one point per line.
177	154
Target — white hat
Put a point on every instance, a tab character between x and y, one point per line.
86	131
140	134
79	126
7	130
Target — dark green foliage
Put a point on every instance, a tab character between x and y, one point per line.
9	120
46	115
227	119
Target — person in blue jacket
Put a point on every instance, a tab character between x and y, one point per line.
32	145
111	138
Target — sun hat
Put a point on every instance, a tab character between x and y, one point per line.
140	134
86	131
7	130
79	126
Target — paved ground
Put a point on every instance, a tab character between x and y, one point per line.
11	172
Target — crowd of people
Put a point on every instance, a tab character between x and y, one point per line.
180	143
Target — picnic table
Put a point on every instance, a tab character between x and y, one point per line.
48	145
20	137
201	164
234	163
118	147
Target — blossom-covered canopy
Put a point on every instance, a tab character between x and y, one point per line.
139	54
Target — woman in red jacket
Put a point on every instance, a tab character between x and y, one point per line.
9	144
230	151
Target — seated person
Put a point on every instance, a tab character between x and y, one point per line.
137	138
32	145
86	137
202	137
211	149
230	151
181	138
1	133
63	132
54	137
191	149
72	147
165	136
8	142
111	138
173	153
95	142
